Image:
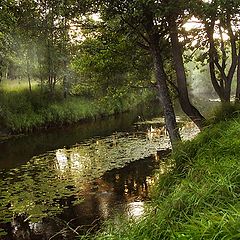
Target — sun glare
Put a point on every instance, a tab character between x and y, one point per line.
96	17
195	23
192	23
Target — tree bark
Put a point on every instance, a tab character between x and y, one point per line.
164	96
224	84
237	97
161	77
217	85
184	100
218	88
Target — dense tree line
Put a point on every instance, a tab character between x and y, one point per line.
60	42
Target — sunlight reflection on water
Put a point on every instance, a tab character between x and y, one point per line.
135	209
108	172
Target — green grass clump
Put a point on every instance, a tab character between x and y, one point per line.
23	111
225	111
199	198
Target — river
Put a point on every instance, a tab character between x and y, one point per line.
61	183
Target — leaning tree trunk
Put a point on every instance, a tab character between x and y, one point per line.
161	77
163	91
184	100
165	98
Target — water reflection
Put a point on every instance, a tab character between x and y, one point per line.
110	174
18	151
119	190
135	209
91	159
62	160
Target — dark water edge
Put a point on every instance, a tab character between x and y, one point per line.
117	190
17	151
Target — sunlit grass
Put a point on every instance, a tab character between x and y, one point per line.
199	199
24	111
17	85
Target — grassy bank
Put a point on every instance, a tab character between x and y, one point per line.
199	198
22	111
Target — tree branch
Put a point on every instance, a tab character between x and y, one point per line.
213	55
214	81
233	49
143	46
173	85
224	55
135	29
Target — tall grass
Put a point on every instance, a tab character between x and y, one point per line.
199	198
17	85
22	111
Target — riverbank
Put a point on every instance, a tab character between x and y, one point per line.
24	112
197	197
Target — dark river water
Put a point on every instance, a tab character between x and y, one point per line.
62	183
18	151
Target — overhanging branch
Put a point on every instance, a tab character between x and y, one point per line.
136	30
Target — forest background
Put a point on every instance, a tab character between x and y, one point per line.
65	61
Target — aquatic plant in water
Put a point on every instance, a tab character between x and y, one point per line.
38	188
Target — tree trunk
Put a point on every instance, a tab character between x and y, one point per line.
237	97
184	100
163	91
161	77
228	87
218	88
222	85
29	83
28	75
65	90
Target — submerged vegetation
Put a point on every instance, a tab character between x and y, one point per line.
198	198
58	180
